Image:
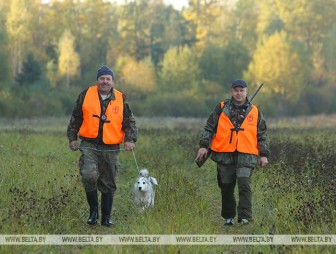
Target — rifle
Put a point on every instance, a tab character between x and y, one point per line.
201	162
255	93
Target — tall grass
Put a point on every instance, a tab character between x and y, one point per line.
41	191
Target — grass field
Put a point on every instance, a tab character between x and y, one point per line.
41	191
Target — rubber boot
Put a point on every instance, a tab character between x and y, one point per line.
106	208
228	200
92	198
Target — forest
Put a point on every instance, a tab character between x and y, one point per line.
168	62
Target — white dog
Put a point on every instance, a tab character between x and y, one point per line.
143	191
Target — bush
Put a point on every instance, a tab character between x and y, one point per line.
185	103
7	107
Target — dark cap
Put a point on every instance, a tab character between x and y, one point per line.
238	83
104	70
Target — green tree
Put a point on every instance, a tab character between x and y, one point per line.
223	65
168	29
39	30
148	28
134	28
309	22
201	14
179	70
329	54
95	33
243	22
178	91
31	71
69	62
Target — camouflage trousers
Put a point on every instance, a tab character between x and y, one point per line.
227	177
98	166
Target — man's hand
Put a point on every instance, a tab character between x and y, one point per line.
263	161
129	146
73	145
201	154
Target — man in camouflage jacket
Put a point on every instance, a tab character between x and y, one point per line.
234	166
99	156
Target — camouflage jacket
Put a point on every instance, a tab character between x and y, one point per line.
237	115
128	123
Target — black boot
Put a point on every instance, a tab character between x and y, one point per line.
106	208
92	198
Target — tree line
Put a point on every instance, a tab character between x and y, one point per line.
168	62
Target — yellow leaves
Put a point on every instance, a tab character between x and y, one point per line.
17	20
202	14
68	62
275	63
139	75
5	95
18	32
188	15
51	72
201	33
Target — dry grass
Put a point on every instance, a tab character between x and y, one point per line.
180	123
316	121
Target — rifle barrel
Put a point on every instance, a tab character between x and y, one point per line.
255	93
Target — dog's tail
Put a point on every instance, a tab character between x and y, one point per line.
153	180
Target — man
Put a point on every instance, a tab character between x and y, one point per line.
235	133
103	120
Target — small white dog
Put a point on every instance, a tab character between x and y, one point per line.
143	191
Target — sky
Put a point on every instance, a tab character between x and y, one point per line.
178	4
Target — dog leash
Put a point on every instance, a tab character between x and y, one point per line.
115	150
99	150
136	163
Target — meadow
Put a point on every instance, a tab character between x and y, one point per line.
41	190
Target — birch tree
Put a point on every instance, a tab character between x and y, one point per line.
69	62
18	33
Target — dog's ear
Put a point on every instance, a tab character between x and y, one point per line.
153	180
144	172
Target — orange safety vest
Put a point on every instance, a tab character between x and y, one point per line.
227	139
112	127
